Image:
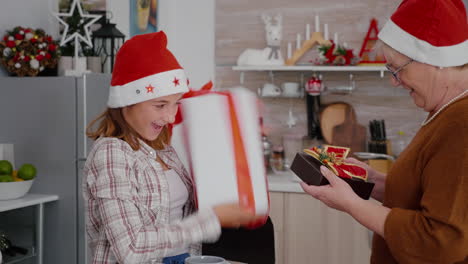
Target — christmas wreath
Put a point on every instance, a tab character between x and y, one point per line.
25	51
336	55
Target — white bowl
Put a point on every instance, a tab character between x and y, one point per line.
14	190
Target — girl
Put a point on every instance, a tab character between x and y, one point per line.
140	199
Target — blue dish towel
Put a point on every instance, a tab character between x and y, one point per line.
179	259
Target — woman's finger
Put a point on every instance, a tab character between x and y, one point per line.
352	160
331	177
310	189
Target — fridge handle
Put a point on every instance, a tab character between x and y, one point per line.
85	117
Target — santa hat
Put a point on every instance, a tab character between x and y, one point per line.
429	31
145	69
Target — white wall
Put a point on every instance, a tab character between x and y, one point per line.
189	26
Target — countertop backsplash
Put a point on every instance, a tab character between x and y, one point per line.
238	26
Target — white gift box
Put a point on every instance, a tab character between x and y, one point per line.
219	138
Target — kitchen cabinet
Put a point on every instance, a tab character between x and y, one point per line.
307	231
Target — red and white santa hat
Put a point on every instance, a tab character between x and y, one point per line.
145	69
429	31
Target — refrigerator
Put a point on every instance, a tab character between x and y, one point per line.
46	118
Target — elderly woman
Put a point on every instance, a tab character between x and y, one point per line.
423	217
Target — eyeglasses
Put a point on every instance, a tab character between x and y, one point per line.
395	73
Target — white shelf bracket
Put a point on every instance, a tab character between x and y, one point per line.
241	78
382	74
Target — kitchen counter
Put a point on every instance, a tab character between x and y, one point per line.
284	182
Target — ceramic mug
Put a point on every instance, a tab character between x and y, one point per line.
205	260
291	89
269	89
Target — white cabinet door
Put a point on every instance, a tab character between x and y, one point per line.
277	217
314	233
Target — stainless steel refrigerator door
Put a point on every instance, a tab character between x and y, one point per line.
38	115
92	91
92	94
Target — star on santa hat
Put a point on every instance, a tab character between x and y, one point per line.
176	81
149	88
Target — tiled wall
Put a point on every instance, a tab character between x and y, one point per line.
239	26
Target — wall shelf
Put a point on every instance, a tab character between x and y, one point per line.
312	68
307	68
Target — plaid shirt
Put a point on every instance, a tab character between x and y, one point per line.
127	202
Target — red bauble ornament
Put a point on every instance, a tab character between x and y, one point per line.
33	40
48	56
39	57
16	57
10	44
18	36
52	47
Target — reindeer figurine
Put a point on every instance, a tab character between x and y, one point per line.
271	55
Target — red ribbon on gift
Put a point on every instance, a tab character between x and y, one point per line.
333	158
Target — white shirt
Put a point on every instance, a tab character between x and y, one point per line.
178	196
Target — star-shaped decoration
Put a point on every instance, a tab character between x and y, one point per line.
149	89
176	81
87	21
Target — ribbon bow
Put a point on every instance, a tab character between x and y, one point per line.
333	158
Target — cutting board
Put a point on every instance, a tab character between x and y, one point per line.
332	115
350	134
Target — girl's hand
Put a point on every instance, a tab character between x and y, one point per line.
232	215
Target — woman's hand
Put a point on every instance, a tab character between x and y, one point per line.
374	176
338	194
233	216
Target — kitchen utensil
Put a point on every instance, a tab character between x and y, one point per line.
350	134
14	190
291	89
378	141
269	89
332	115
370	155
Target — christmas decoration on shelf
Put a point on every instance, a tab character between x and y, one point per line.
271	55
27	52
107	40
368	54
310	40
336	55
77	29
